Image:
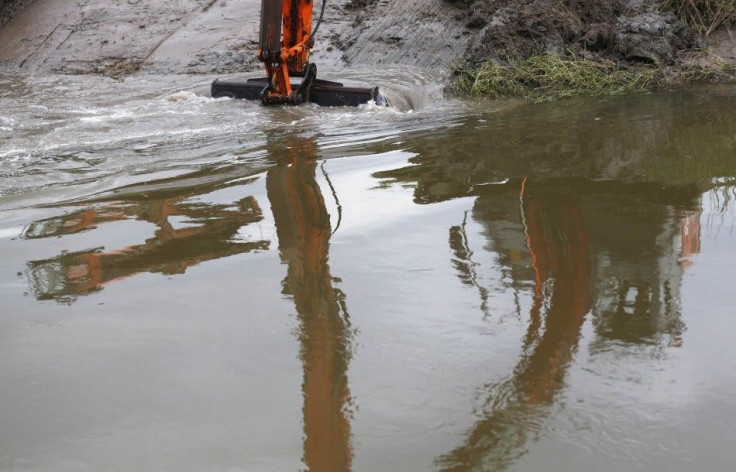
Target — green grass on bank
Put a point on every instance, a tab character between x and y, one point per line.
549	77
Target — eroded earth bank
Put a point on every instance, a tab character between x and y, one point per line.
220	36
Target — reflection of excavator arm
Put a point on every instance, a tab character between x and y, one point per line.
303	228
171	251
76	222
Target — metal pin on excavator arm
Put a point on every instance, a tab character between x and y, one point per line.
286	39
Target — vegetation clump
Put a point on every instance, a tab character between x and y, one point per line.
550	77
704	16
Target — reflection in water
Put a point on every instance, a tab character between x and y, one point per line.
303	228
210	231
583	225
558	248
610	250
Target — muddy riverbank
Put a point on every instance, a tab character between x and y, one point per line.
220	36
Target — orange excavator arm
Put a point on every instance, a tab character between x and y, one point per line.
286	39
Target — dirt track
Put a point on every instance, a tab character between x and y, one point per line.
116	37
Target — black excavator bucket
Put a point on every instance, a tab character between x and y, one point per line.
322	92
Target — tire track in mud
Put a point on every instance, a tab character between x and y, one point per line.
416	33
182	24
104	36
213	36
35	51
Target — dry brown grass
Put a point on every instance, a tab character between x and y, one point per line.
703	15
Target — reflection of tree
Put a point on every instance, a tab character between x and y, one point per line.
604	247
558	246
209	233
465	266
579	240
721	200
303	228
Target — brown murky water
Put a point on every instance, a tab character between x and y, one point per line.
195	284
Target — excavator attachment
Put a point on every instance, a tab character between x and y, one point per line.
286	38
322	92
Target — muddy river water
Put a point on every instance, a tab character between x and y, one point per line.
190	284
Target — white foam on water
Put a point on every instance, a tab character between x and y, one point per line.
186	96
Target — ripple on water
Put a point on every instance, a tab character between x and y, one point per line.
144	125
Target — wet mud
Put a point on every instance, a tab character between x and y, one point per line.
627	31
219	36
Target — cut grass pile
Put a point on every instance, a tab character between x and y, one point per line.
549	77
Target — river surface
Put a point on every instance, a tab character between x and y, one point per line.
190	284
